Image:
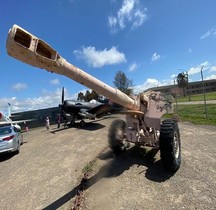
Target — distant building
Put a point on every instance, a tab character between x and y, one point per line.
193	88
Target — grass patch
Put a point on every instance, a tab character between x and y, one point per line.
88	168
198	97
196	114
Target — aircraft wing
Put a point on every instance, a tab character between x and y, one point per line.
85	113
100	109
15	122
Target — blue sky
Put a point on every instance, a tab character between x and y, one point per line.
151	41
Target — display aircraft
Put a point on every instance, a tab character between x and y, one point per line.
78	110
6	119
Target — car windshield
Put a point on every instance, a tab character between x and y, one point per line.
5	130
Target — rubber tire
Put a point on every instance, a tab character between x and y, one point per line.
21	140
18	149
115	141
170	152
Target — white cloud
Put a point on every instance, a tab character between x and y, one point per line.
211	77
139	18
211	32
212	69
155	57
46	100
98	58
125	13
131	12
149	83
55	82
173	76
197	69
132	67
194	70
19	86
112	22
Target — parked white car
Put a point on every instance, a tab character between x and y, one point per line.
10	139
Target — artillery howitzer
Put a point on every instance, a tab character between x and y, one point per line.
143	124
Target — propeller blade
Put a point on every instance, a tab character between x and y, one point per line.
62	104
62	95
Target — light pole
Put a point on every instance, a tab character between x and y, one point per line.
188	87
204	92
176	97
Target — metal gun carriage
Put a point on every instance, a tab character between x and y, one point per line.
143	125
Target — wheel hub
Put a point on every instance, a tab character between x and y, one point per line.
176	145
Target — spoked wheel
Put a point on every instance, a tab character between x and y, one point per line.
72	120
170	145
82	123
117	137
71	124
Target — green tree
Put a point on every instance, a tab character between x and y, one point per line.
87	96
81	96
122	83
94	95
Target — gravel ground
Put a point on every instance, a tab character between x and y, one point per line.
137	181
47	172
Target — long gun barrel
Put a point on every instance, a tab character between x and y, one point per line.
26	47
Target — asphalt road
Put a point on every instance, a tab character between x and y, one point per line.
47	172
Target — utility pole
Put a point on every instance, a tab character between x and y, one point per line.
188	87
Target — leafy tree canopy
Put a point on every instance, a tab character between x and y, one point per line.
122	83
88	96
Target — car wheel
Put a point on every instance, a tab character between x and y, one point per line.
18	149
21	143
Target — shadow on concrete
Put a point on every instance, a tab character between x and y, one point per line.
116	165
6	156
90	126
